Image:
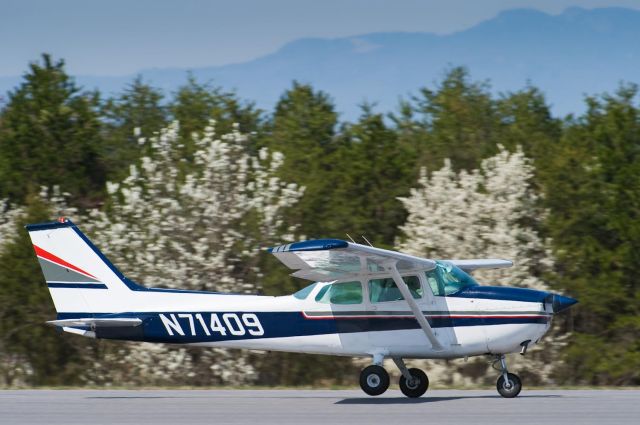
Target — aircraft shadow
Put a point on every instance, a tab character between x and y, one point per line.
405	400
106	397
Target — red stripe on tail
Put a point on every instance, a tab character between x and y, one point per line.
59	261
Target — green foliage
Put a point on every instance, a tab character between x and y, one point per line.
137	112
372	168
195	104
456	120
587	168
593	192
32	352
50	135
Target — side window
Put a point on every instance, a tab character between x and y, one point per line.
382	290
341	293
435	283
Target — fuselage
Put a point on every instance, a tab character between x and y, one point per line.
474	321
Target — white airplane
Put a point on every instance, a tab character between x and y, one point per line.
364	301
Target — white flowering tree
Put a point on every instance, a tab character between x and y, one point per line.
8	221
196	225
491	212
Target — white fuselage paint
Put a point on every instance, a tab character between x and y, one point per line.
459	341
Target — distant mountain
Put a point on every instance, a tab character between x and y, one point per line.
568	55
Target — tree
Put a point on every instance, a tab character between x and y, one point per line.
488	212
137	111
371	169
593	193
303	129
201	232
195	104
50	135
455	120
31	352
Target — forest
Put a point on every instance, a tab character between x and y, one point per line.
184	189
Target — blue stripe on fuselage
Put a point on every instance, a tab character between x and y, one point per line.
502	293
288	324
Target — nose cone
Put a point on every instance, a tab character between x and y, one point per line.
561	303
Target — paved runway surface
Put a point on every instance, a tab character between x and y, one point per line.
326	407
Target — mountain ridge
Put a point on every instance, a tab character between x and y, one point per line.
577	52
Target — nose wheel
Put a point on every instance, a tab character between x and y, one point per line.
509	387
509	384
374	380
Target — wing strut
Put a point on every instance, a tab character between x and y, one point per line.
417	312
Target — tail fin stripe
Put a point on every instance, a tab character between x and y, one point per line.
59	261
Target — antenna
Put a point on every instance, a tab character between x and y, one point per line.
366	240
350	238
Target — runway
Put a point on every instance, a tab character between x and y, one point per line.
326	407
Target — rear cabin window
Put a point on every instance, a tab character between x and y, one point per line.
304	292
341	293
383	290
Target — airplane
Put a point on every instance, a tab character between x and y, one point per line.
363	302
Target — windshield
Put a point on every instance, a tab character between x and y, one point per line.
447	279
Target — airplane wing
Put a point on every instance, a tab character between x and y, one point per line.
330	259
484	263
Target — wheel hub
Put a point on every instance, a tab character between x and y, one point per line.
413	383
373	380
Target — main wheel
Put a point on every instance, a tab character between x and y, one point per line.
510	388
374	380
416	386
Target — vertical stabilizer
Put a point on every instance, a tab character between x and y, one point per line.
79	276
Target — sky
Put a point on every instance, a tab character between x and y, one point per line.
120	37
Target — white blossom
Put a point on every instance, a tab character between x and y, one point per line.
485	213
193	228
9	216
491	212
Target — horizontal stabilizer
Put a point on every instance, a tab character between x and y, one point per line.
97	323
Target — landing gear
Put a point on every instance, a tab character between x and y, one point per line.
413	382
509	384
416	386
374	380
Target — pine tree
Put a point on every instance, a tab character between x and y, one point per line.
593	193
137	111
456	120
50	135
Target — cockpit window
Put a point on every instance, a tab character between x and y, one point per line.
447	279
385	289
341	293
304	292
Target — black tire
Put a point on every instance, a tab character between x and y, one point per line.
417	387
374	380
509	391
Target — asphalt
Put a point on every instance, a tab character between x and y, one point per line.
326	407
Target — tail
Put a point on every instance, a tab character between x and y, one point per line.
80	278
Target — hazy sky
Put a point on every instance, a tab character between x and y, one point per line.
115	37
